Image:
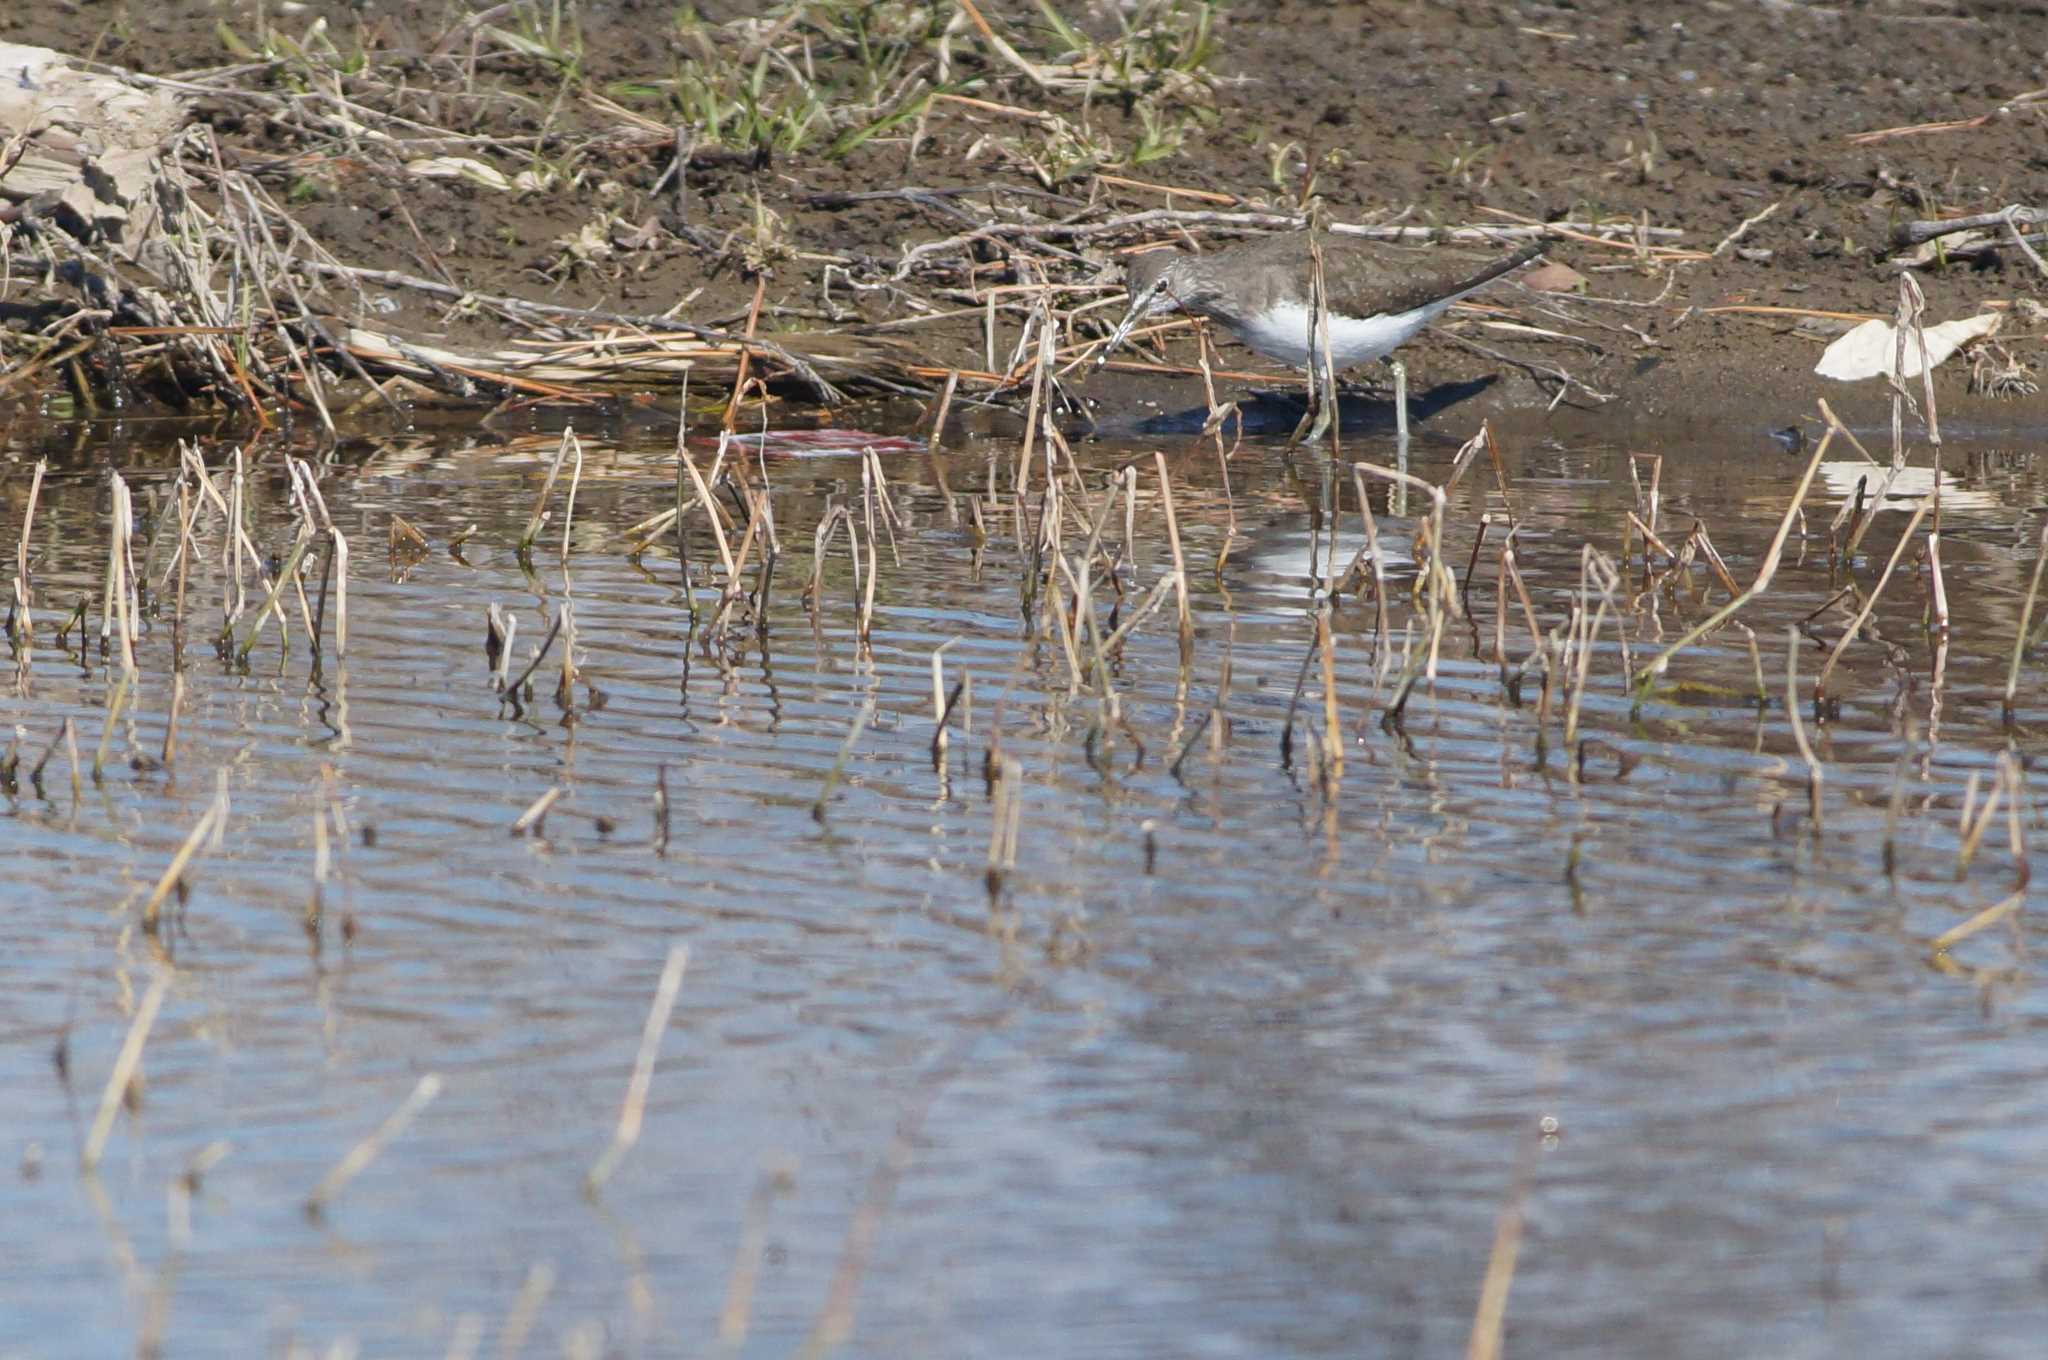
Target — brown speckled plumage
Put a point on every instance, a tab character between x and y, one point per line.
1360	279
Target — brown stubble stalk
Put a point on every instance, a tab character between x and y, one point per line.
1855	628
1814	775
316	508
359	1157
21	618
288	575
839	763
2008	774
936	438
704	499
1769	569
533	821
205	834
2019	640
123	1072
565	684
1379	579
942	707
633	1112
1332	763
1041	373
118	613
1439	587
170	746
1180	567
834	1324
1896	801
1595	572
1974	826
188	514
536	521
1489	1316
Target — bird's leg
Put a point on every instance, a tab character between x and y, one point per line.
1400	372
1325	416
1322	404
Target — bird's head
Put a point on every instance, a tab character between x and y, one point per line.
1150	280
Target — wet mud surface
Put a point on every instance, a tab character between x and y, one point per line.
1680	116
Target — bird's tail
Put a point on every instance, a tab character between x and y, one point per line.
1506	264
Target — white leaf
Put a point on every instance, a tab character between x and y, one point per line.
459	167
1870	350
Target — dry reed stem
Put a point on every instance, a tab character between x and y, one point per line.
1937	591
170	746
539	517
117	703
188	514
833	775
500	627
511	692
1150	604
1489	1316
1992	915
565	686
945	404
1180	563
125	1063
1441	590
1765	572
1855	628
1594	571
735	1317
633	1112
117	606
1756	662
1041	371
2019	641
359	1157
205	831
1650	539
1712	554
739	377
2009	776
1333	730
834	1325
1813	767
704	499
21	620
536	812
661	809
286	576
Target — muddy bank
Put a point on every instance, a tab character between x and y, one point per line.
510	157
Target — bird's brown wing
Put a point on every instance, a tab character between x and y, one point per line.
1363	281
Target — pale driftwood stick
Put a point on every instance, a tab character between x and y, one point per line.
1907	234
824	391
1728	241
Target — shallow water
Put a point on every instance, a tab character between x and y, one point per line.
1234	1063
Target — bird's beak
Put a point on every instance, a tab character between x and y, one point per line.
1140	305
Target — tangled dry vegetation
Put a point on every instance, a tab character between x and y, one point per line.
167	258
196	239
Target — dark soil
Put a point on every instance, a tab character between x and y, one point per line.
1688	115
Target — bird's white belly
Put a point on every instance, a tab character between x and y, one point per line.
1282	334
